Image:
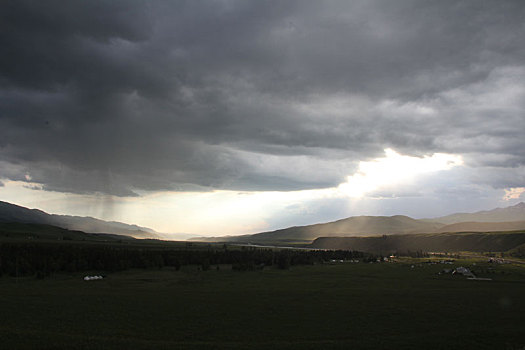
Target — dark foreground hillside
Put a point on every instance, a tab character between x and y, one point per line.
187	295
328	306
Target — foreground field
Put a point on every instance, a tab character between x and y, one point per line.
340	306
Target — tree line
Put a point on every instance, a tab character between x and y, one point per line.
44	259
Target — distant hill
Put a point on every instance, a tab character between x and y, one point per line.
428	242
353	226
512	213
31	231
11	213
483	226
504	219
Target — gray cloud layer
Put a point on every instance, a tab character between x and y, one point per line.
119	96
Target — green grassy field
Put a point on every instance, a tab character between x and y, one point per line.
341	306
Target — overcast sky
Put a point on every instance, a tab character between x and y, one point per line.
252	115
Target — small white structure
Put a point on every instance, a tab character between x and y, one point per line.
93	278
333	261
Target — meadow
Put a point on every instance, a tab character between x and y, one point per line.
401	305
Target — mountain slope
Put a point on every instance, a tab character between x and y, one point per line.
353	226
483	226
428	242
360	226
512	213
18	214
504	219
14	213
32	231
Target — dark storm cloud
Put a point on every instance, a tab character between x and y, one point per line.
115	97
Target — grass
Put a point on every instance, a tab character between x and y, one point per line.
341	306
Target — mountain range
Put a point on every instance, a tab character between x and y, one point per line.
11	213
499	219
512	213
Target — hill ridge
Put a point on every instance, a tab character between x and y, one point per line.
511	213
15	213
368	225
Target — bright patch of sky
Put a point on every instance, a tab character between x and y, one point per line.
394	169
513	193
